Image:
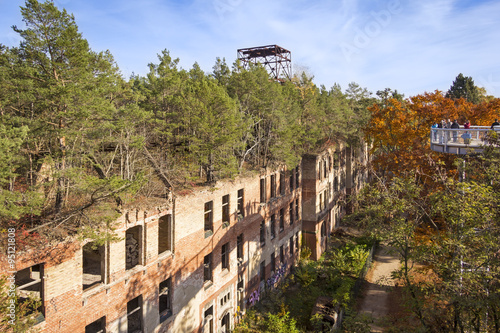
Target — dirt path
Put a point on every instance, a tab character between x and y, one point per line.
375	301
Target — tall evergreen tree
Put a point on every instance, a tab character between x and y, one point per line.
463	87
67	96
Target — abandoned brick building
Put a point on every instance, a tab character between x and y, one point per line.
196	263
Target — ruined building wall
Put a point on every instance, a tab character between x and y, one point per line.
194	265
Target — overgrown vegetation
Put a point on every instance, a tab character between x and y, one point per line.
16	316
441	213
288	307
80	143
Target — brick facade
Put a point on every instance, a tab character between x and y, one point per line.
217	250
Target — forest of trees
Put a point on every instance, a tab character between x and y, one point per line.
79	142
440	212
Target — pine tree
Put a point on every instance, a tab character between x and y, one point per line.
463	87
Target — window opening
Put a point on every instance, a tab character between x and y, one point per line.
209	320
273	226
134	315
297	181
262	233
207	265
239	247
165	299
98	326
225	323
29	286
241	207
262	190
209	218
165	233
225	210
282	183
133	247
225	256
93	265
282	220
273	186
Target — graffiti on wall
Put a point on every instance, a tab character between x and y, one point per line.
271	283
276	277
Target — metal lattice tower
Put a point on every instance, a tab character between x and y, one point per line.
277	60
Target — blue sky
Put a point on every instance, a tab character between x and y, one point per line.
411	46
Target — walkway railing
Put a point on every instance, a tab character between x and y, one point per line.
460	140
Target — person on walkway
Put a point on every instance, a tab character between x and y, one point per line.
443	133
455	133
467	124
467	137
495	123
434	131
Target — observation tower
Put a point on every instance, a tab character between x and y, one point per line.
277	60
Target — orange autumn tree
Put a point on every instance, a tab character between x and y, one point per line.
400	130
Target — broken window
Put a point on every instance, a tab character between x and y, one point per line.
273	226
93	265
239	248
208	320
165	299
209	218
225	211
241	207
98	326
225	323
273	263
262	233
165	234
290	212
273	186
282	220
262	190
240	292
282	254
297	181
134	315
297	209
30	287
225	256
207	268
282	183
133	247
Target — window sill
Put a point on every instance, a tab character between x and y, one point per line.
208	233
224	272
225	225
207	284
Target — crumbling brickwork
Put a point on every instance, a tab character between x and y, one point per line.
147	282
